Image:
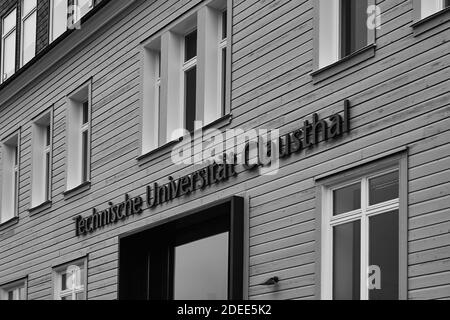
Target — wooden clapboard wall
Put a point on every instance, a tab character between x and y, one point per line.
399	98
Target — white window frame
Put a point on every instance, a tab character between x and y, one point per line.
75	130
15	286
51	19
361	172
157	131
6	34
26	16
58	294
41	180
332	22
10	174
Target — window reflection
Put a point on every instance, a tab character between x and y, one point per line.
201	269
347	199
384	188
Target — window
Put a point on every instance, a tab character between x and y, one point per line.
42	161
430	7
10	178
8	63
69	281
190	79
342	29
197	257
28	45
78	124
14	291
185	76
361	237
58	18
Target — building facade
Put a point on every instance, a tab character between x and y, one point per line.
314	161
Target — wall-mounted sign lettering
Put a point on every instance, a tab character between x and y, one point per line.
309	135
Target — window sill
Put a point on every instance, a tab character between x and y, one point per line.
7	224
349	61
151	155
40	208
431	22
85	186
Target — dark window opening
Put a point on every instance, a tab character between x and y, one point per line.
190	97
85	156
196	257
85	112
224	24
190	46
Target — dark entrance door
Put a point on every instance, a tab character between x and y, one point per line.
198	256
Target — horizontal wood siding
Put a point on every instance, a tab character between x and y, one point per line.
399	98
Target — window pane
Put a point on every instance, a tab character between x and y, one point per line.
84	6
11	295
9	56
383	253
16	155
224	25
27	6
63	281
347	199
66	298
85	112
59	17
328	32
29	38
201	269
384	188
190	97
15	191
190	46
48	135
22	293
353	26
80	296
346	261
9	22
85	156
47	176
224	79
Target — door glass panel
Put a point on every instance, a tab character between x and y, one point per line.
346	261
384	188
201	269
347	199
383	256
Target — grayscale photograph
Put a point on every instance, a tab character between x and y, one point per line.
239	151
